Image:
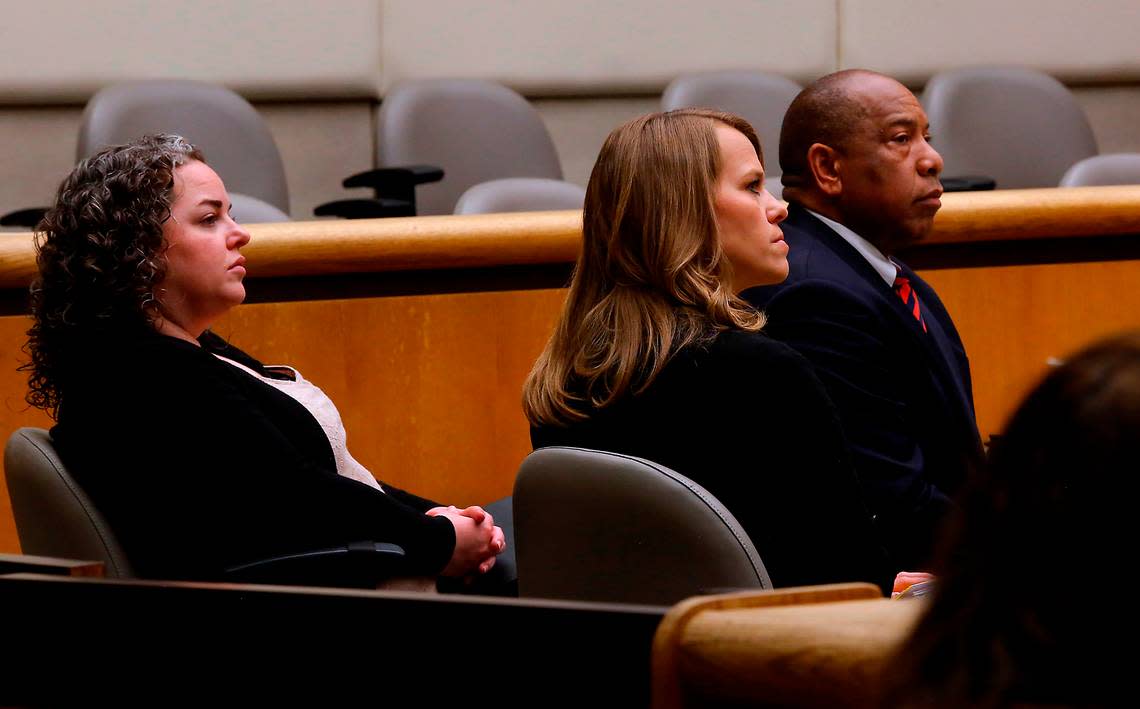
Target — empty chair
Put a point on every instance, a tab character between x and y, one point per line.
758	97
1110	169
597	526
1020	127
520	194
231	133
54	517
475	130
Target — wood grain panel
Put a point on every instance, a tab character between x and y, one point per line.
428	386
1015	319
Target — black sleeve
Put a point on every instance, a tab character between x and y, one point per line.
198	477
818	529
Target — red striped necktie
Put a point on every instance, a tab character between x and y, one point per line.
910	298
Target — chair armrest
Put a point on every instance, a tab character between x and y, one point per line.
354	565
29	217
968	183
365	208
389	180
394	189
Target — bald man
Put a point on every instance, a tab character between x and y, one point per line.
861	179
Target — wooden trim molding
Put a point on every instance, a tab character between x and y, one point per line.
330	247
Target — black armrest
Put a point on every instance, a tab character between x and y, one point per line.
354	565
24	217
394	189
365	208
968	183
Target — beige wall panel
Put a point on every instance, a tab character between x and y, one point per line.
579	127
37	149
1114	112
63	50
912	40
599	45
321	144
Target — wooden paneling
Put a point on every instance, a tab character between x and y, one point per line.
428	386
1015	319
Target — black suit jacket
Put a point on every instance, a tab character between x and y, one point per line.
903	395
747	419
198	465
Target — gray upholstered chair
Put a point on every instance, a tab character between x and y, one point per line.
1108	169
473	130
597	526
54	517
520	194
760	98
1020	127
231	133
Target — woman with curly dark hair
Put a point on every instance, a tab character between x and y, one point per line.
200	457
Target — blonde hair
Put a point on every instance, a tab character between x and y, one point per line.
651	278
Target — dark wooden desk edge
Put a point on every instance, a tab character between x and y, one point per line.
204	641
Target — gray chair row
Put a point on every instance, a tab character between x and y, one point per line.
224	125
1009	126
589	526
446	135
437	139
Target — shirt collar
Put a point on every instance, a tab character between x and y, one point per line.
882	265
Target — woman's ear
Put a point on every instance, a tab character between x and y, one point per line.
824	162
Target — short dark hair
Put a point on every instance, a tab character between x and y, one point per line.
100	254
825	112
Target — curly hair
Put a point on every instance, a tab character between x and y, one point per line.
100	255
651	278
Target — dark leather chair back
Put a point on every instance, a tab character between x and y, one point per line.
597	526
54	517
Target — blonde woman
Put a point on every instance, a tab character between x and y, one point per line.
656	356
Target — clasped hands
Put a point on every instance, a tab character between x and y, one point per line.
477	540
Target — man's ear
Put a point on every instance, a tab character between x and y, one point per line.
823	160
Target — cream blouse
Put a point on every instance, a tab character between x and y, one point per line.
324	411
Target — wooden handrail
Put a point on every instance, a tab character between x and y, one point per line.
478	241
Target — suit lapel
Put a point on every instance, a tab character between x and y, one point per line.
937	345
944	349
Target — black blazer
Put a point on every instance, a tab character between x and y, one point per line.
746	418
904	396
198	466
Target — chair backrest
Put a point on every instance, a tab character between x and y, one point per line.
597	526
251	210
54	517
1109	169
758	97
231	133
520	194
475	130
1019	126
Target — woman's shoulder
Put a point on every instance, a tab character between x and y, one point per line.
742	347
